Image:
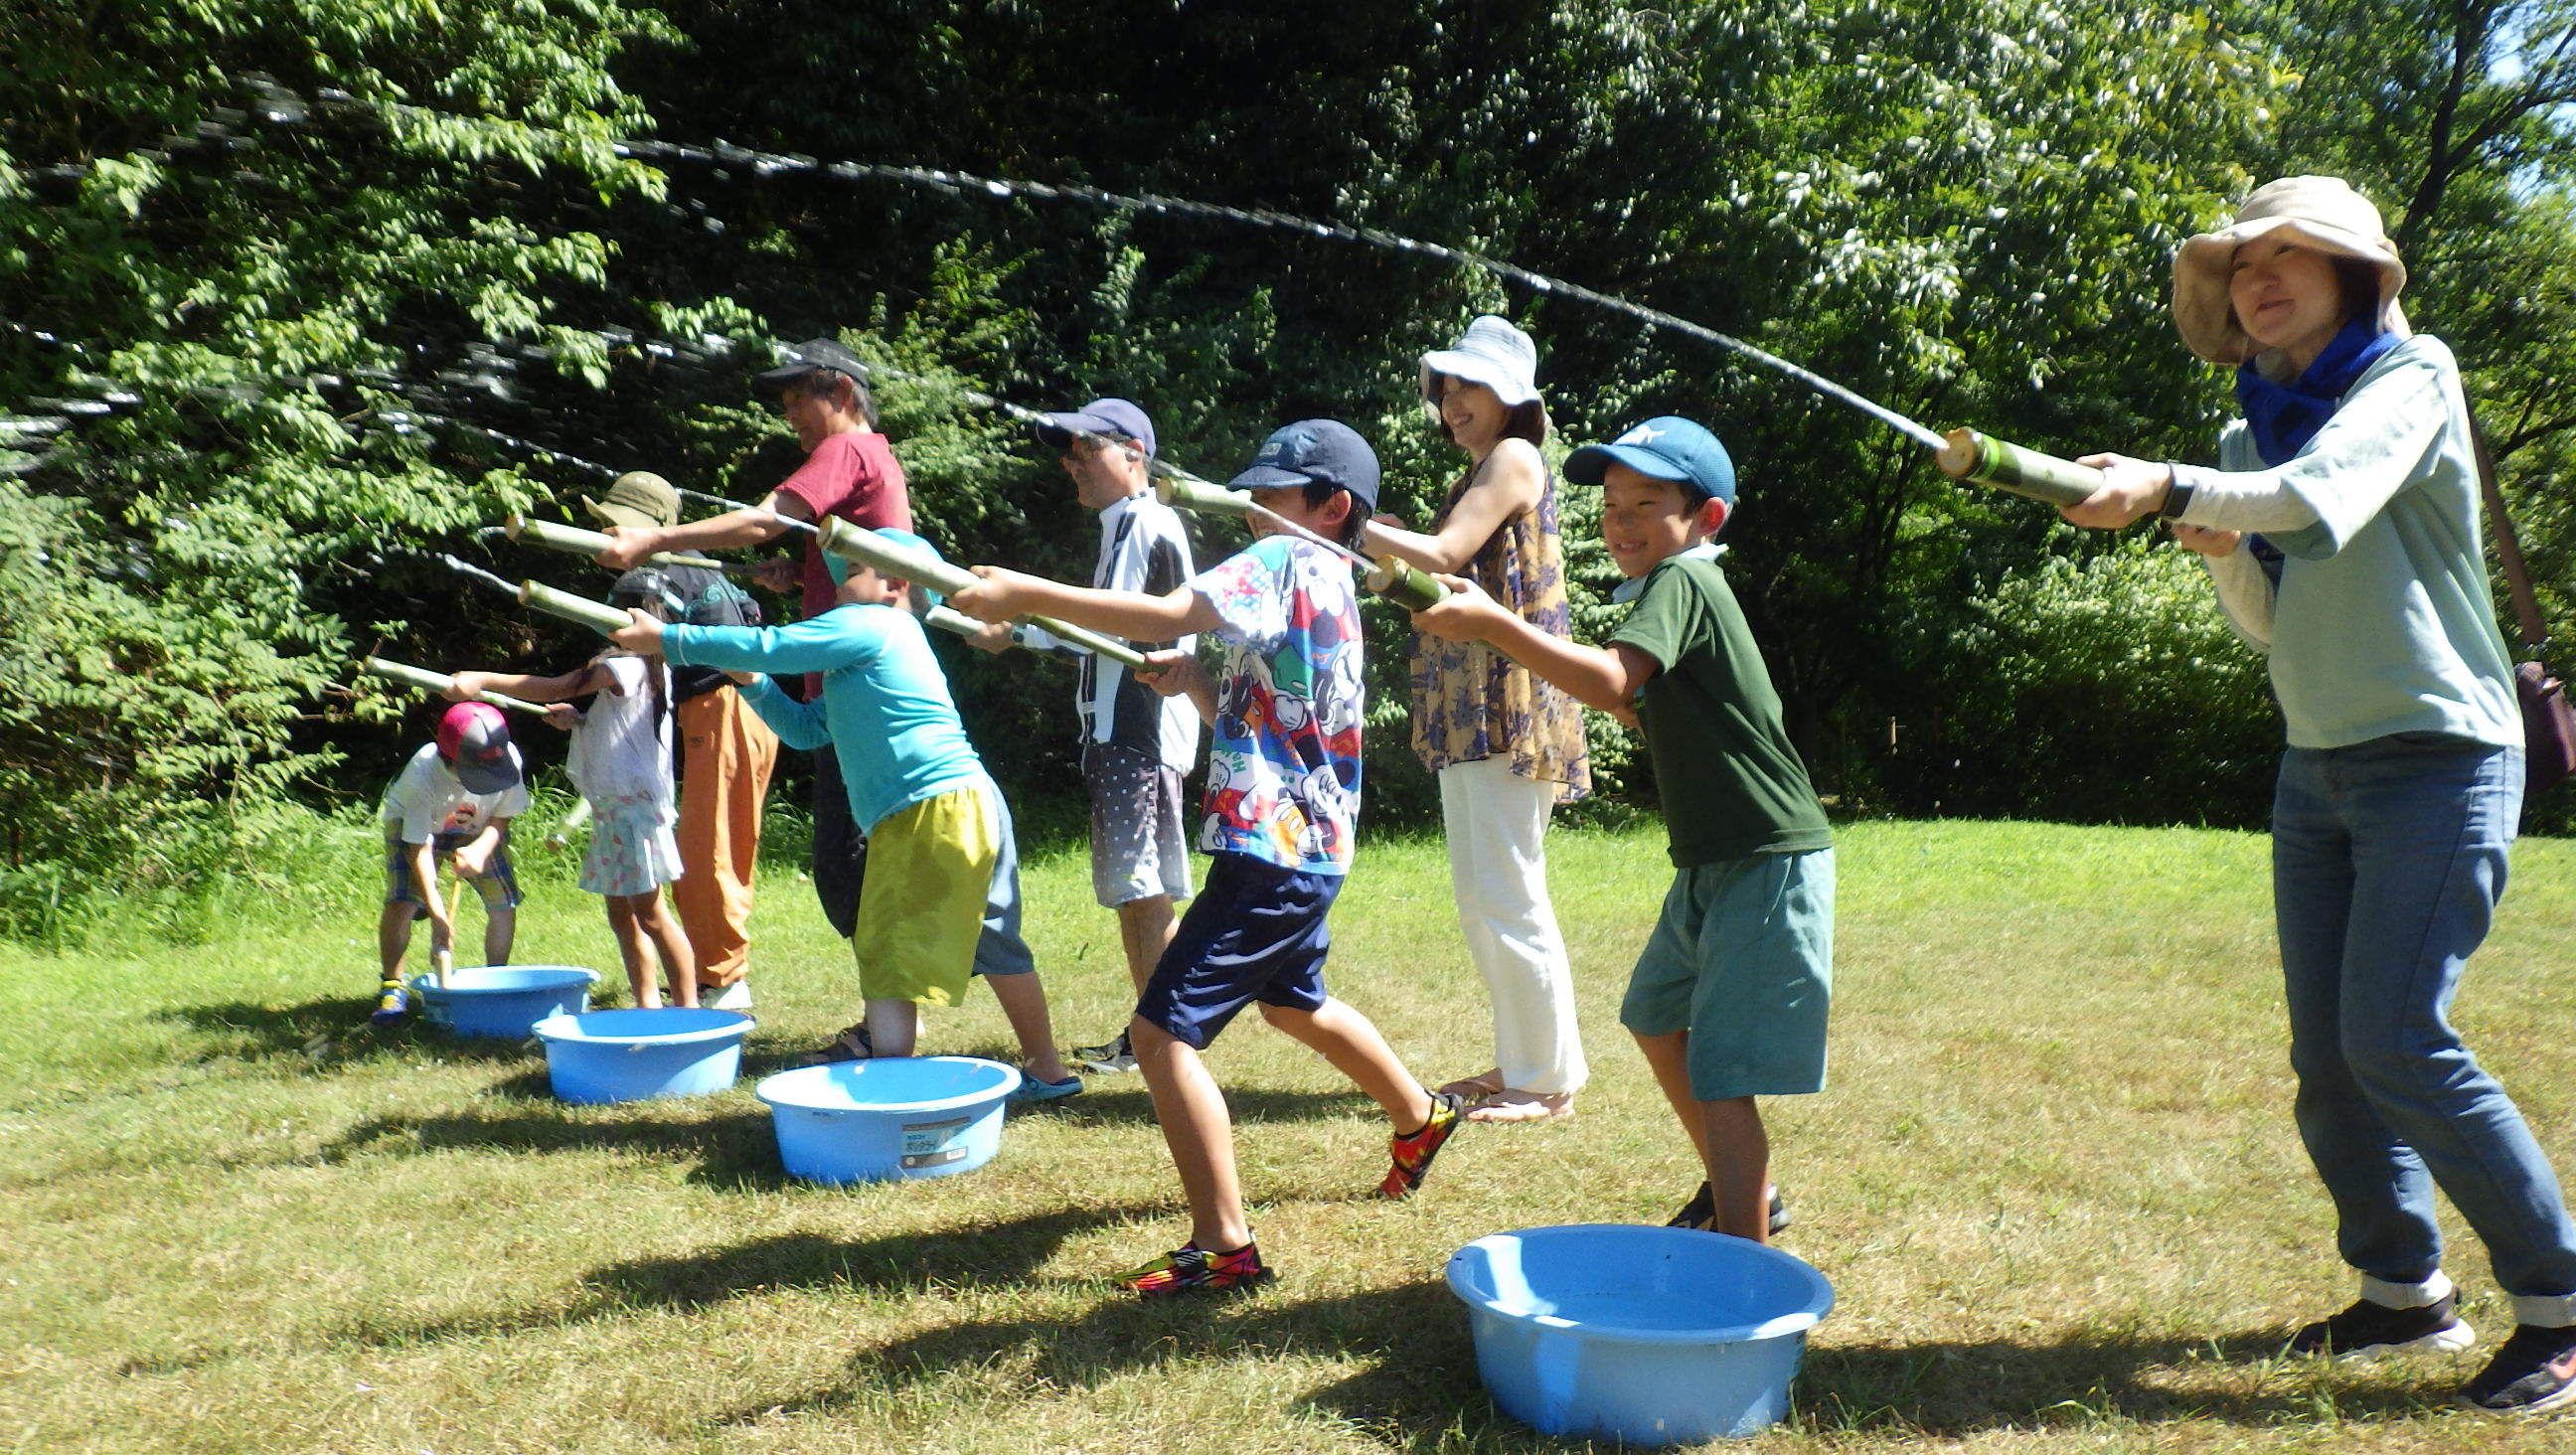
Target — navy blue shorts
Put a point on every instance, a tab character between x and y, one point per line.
1256	932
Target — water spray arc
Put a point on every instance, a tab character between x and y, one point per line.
1963	454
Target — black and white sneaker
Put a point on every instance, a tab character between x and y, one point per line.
1107	1059
2368	1330
2533	1373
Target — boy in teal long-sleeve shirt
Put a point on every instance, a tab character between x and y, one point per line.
943	872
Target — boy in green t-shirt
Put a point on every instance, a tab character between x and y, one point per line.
1729	997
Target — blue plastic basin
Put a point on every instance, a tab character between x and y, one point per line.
1653	1336
894	1117
502	1000
636	1055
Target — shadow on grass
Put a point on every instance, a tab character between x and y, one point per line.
734	1150
1420	1391
994	1255
2238	1379
330	1031
1421	1379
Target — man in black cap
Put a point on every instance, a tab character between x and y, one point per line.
849	472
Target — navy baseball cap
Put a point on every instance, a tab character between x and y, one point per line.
1314	452
1117	418
815	353
1667	447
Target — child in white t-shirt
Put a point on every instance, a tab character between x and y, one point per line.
621	763
454	800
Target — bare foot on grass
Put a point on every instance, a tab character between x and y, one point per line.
1522	1106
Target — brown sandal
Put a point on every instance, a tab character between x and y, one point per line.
850	1045
1477	1087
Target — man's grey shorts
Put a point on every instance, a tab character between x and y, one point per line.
1139	848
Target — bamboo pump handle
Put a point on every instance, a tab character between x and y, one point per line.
597	616
950	619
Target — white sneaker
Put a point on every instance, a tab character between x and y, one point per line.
736	996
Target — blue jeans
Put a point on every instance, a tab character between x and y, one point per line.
2388	858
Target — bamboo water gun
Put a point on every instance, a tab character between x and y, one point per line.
1401	582
860	544
599	616
439	682
1966	454
869	549
574	540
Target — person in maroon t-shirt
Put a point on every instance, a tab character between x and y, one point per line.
850	472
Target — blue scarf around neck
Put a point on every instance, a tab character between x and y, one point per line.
2284	417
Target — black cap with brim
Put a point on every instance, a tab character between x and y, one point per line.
805	358
495	773
1314	452
1117	419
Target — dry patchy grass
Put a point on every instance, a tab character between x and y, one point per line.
2054	1183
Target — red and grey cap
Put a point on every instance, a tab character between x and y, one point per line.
474	741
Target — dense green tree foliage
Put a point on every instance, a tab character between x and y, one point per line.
294	291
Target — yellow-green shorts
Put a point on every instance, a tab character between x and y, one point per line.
922	907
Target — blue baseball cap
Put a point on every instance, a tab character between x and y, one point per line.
1314	452
839	566
1667	447
1117	418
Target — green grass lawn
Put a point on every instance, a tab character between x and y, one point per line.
2054	1183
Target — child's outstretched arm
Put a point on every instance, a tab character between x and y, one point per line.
1134	615
816	644
590	677
1607	678
1511	481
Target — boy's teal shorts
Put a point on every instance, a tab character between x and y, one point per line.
498	889
1742	958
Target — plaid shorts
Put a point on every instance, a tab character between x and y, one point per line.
498	886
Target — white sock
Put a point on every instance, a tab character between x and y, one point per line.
2409	1295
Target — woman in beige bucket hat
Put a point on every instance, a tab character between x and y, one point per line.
1504	746
2341	529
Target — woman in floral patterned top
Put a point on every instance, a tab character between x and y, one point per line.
1506	747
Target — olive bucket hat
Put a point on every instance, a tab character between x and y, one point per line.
2321	212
